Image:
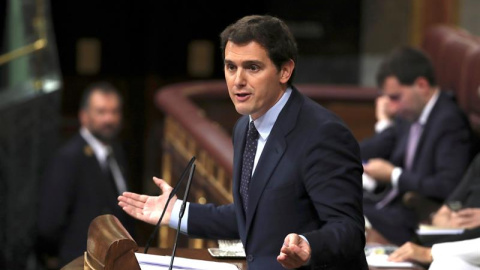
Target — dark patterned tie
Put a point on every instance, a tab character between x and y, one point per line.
247	163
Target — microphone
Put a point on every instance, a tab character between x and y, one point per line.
170	196
182	211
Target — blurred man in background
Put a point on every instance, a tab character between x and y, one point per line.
423	144
85	177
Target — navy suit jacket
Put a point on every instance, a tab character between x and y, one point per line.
442	155
307	181
74	191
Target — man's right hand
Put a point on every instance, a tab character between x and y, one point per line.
148	208
442	217
384	109
412	252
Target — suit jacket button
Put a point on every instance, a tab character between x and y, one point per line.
250	258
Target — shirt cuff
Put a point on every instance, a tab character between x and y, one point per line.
175	216
397	171
368	183
304	238
382	125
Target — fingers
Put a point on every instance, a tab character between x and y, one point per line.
132	203
291	239
398	255
133	199
132	211
411	252
289	258
465	218
294	253
467	212
166	188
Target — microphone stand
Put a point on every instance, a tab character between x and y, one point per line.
170	196
182	211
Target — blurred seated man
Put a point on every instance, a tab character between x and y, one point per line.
462	208
458	255
84	178
423	144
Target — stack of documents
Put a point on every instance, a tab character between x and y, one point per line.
228	249
431	234
433	230
379	260
157	262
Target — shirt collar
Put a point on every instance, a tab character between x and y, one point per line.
428	108
100	149
264	123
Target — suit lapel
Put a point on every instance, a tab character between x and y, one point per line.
267	163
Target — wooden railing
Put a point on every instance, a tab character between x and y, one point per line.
198	119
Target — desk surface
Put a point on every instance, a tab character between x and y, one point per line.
201	254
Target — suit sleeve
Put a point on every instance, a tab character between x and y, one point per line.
212	222
468	191
379	145
332	176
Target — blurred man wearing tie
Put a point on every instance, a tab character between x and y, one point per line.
85	177
423	144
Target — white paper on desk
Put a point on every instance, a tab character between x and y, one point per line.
157	262
433	230
381	260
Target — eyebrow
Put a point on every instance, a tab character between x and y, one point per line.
246	63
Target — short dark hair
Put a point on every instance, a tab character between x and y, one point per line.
268	31
102	87
406	64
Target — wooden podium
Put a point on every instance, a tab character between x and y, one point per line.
109	246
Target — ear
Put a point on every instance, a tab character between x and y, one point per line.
423	85
286	71
82	116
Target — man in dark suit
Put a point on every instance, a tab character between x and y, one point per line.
297	185
424	148
85	177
